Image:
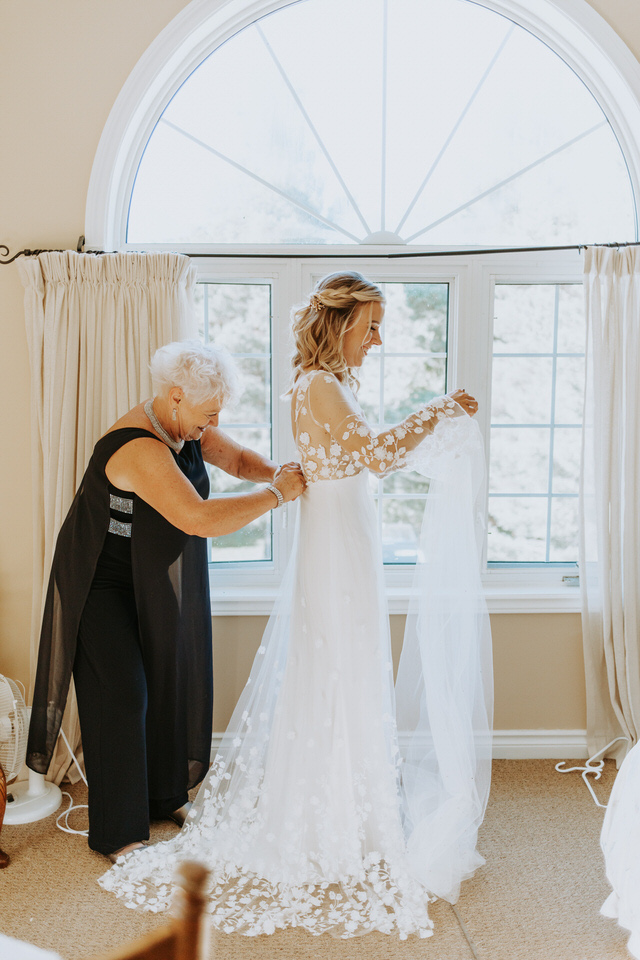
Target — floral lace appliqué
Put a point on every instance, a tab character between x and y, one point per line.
336	888
335	441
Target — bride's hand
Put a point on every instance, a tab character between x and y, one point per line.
290	481
468	403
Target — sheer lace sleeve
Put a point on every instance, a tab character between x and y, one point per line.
333	406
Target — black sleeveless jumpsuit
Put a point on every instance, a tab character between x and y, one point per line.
128	612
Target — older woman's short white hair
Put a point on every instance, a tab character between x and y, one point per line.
202	371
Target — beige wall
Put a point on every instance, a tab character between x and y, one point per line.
624	17
62	65
538	668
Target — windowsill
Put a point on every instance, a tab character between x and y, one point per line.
251	601
534	598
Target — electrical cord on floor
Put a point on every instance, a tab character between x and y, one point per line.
594	765
80	806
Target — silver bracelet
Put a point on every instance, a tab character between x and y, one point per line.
274	490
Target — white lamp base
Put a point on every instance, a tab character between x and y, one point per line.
32	800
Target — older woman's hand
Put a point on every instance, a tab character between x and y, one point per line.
290	481
291	463
468	403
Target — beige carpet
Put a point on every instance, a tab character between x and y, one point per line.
537	898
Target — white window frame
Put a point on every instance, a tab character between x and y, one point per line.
471	279
539	589
574	30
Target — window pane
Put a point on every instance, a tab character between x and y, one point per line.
237	316
521	390
256	439
569	390
547	213
252	542
564	524
401	522
536	319
262	155
255	404
510	449
517	529
523	318
406	374
566	460
416	317
571	327
410	382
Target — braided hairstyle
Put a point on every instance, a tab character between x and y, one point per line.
319	326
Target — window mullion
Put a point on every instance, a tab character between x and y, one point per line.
552	420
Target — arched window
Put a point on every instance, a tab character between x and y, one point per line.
298	131
382	121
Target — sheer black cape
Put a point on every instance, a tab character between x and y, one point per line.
171	587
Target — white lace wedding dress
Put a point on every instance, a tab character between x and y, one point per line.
310	815
620	842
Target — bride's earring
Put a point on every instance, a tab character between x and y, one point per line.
175	413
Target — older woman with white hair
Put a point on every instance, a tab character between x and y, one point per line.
128	609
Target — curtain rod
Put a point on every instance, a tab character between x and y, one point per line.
330	256
4	251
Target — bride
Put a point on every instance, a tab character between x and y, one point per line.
311	814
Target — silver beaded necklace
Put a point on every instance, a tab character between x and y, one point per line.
176	445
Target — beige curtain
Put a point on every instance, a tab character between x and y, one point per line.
610	498
93	323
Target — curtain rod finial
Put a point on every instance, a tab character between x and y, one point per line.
4	253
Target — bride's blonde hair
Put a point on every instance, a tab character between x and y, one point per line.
320	325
